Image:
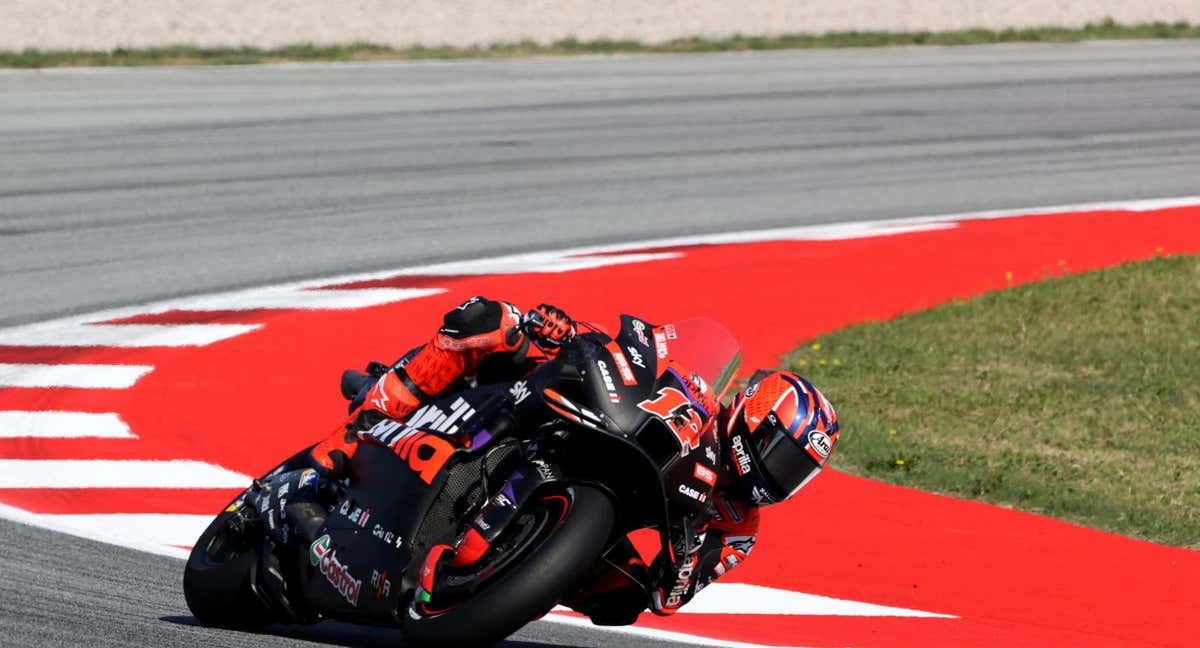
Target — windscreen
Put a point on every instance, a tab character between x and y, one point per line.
704	346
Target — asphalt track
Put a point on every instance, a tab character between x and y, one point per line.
121	186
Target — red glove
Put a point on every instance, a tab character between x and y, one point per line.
548	326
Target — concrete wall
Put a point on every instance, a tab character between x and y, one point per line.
106	24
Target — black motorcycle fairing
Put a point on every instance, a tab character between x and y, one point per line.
366	555
558	427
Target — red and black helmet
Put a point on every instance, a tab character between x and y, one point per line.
781	431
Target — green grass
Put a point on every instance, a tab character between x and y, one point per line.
185	55
1076	397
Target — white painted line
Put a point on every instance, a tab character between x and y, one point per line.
109	536
740	598
298	299
88	473
82	376
548	261
63	425
652	633
77	333
171	529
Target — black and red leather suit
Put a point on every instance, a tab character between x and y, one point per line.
484	339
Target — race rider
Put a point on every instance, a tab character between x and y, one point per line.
762	461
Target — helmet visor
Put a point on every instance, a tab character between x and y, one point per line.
786	465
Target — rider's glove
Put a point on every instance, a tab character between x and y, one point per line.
548	326
677	584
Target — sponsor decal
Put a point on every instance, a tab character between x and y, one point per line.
741	458
344	509
359	516
623	368
760	496
692	493
425	453
639	329
502	500
544	469
285	489
519	391
660	345
683	578
674	408
608	382
820	442
669	329
380	400
467	304
635	356
752	389
237	504
431	418
388	537
308	478
699	382
741	544
321	555
705	474
380	583
711	453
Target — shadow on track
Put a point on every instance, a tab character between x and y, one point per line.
344	634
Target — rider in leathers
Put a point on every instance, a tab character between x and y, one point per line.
763	434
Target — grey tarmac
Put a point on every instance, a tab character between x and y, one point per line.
120	186
127	185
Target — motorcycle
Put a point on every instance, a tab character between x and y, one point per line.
484	508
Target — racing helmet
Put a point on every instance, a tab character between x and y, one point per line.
780	433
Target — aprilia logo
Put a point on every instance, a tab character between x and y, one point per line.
743	458
425	453
683	579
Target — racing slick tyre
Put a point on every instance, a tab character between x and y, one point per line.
538	558
216	579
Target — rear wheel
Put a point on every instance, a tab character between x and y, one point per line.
545	551
216	579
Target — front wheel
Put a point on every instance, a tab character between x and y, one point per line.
547	550
216	579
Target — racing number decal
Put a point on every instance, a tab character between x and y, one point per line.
677	412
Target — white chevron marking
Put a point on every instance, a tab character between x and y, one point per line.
83	376
86	473
63	425
77	333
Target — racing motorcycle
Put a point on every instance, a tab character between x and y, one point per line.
481	510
